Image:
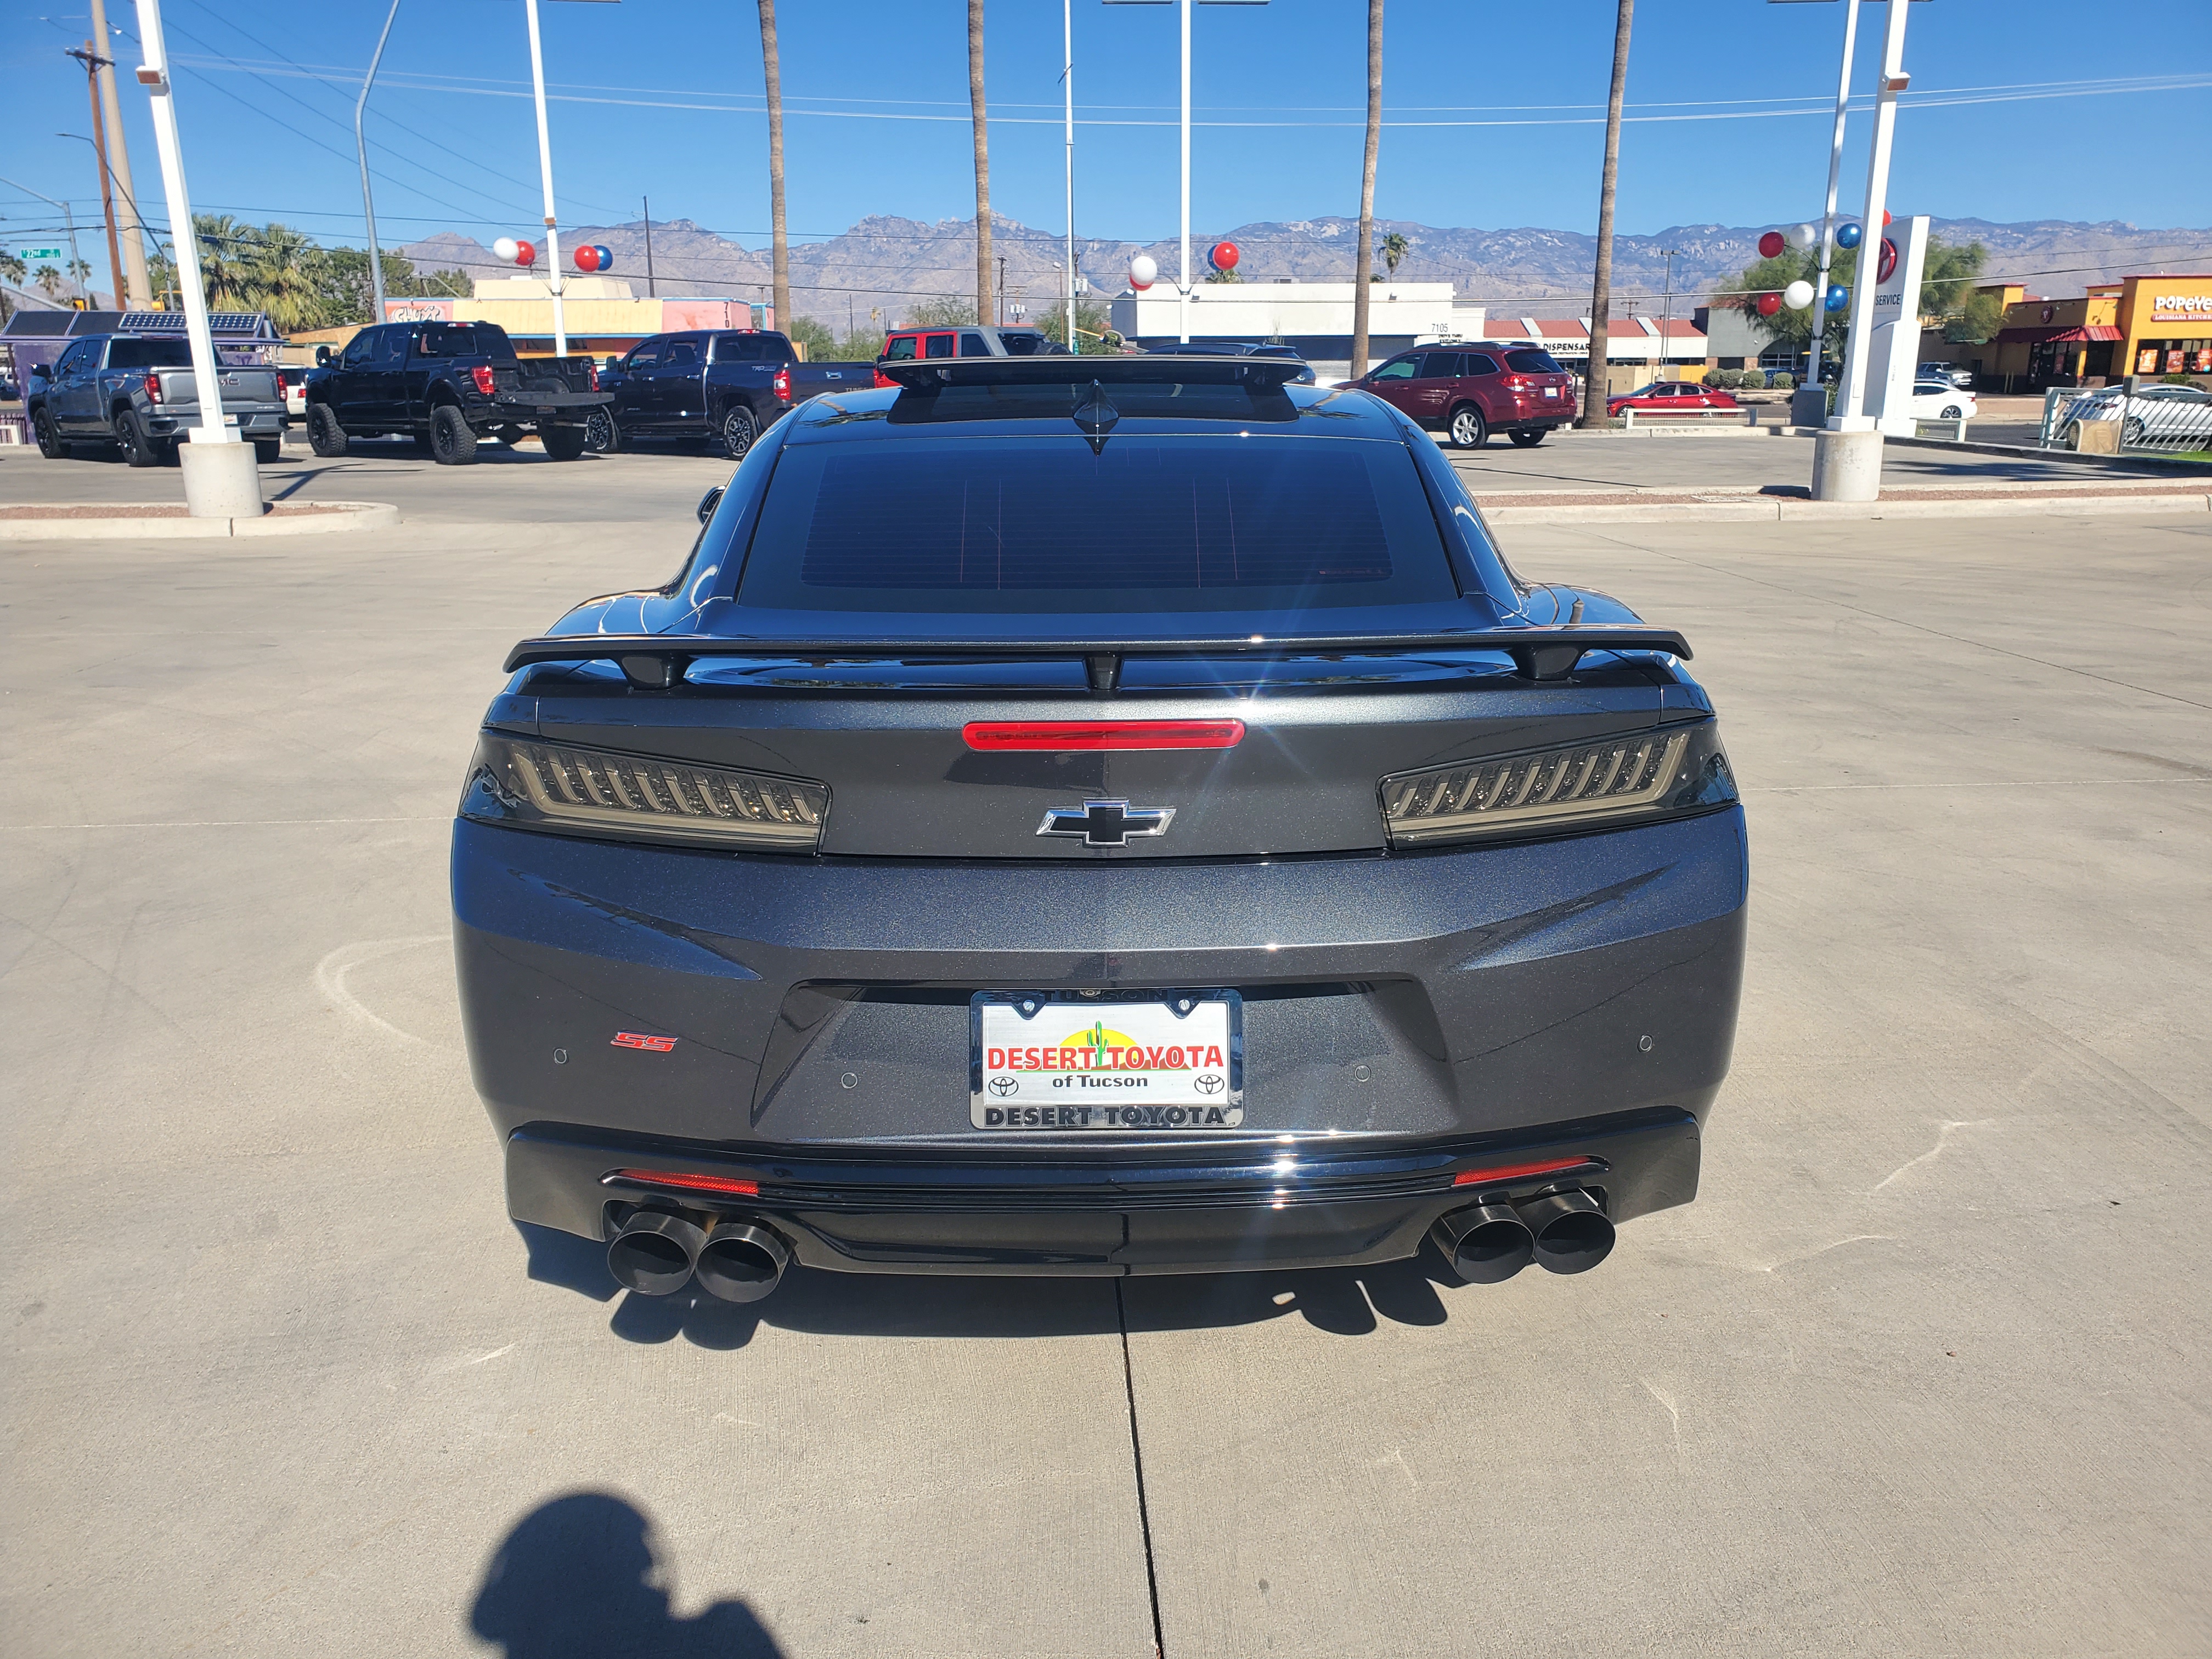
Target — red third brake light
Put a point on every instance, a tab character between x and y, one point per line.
481	375
1505	1172
1063	736
697	1183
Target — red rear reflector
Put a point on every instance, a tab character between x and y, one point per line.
1065	735
697	1183
1504	1172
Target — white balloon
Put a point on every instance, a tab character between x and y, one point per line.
1797	295
1803	235
1144	270
504	250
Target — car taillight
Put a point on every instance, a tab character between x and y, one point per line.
591	375
1643	774
558	785
1065	736
883	379
737	1186
481	375
782	384
153	388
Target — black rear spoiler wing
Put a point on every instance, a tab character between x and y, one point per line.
657	661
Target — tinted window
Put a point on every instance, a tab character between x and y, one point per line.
1402	369
1481	362
390	348
1024	343
1443	366
643	356
937	345
1042	524
682	353
149	354
443	340
741	347
71	361
974	345
360	349
899	349
1532	363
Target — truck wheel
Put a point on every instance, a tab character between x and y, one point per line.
1527	440
268	450
563	443
131	434
601	435
452	443
1468	430
325	435
738	431
50	442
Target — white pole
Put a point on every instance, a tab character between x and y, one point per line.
1850	407
546	173
1068	85
207	373
1835	171
361	145
1183	314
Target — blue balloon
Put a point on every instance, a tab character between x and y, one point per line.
1838	296
606	256
1847	235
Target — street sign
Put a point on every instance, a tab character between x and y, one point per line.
31	253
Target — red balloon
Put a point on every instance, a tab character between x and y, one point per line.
587	258
1224	256
1769	304
1769	245
526	253
1885	216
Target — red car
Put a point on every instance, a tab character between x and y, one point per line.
1472	389
1676	395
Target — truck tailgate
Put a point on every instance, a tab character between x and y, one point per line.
240	388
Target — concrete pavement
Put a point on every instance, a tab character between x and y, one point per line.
1920	1372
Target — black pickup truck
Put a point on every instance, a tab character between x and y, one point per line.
725	384
447	384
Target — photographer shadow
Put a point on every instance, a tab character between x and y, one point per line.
578	1578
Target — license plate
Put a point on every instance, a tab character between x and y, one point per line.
1038	1061
1551	391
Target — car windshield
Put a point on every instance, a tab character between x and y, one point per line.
149	354
1042	524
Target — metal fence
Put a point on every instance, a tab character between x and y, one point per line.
2168	419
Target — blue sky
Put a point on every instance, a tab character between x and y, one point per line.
662	96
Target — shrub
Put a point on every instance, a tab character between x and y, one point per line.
1781	382
1754	380
1728	380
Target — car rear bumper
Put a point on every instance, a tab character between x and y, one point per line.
1402	1015
1307	1206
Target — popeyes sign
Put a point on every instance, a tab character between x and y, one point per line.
2181	308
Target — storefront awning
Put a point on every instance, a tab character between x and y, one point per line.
2067	336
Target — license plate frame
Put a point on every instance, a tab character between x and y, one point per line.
1105	1093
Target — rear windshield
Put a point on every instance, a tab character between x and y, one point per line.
462	340
1533	362
149	354
1041	524
1023	343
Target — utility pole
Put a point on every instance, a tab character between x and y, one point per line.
545	175
999	315
1667	304
651	292
1363	255
1601	323
139	282
1067	93
93	62
360	146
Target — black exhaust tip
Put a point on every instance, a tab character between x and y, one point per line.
741	1261
1572	1234
1485	1245
652	1253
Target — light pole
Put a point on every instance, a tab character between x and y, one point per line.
1182	286
68	218
1667	304
360	144
545	174
1835	169
219	479
1067	93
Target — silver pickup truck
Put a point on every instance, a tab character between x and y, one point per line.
139	393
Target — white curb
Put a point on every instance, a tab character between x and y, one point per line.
328	518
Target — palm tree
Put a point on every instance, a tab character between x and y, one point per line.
1594	389
222	244
51	280
12	268
1395	247
1365	255
982	160
278	281
772	68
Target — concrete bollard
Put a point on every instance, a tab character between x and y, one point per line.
1847	466
221	481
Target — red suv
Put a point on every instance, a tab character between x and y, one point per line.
1474	390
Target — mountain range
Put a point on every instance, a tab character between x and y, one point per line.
885	267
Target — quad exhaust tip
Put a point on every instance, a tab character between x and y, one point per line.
1488	1244
658	1252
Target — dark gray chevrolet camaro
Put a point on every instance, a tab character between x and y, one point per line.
1096	816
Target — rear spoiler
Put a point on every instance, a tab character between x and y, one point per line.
656	661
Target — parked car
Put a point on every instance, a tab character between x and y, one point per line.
1472	390
1235	349
295	393
1094	818
969	340
1952	374
725	384
447	385
2173	418
1940	400
1670	397
138	393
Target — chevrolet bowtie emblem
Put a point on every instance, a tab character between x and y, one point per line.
1106	822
